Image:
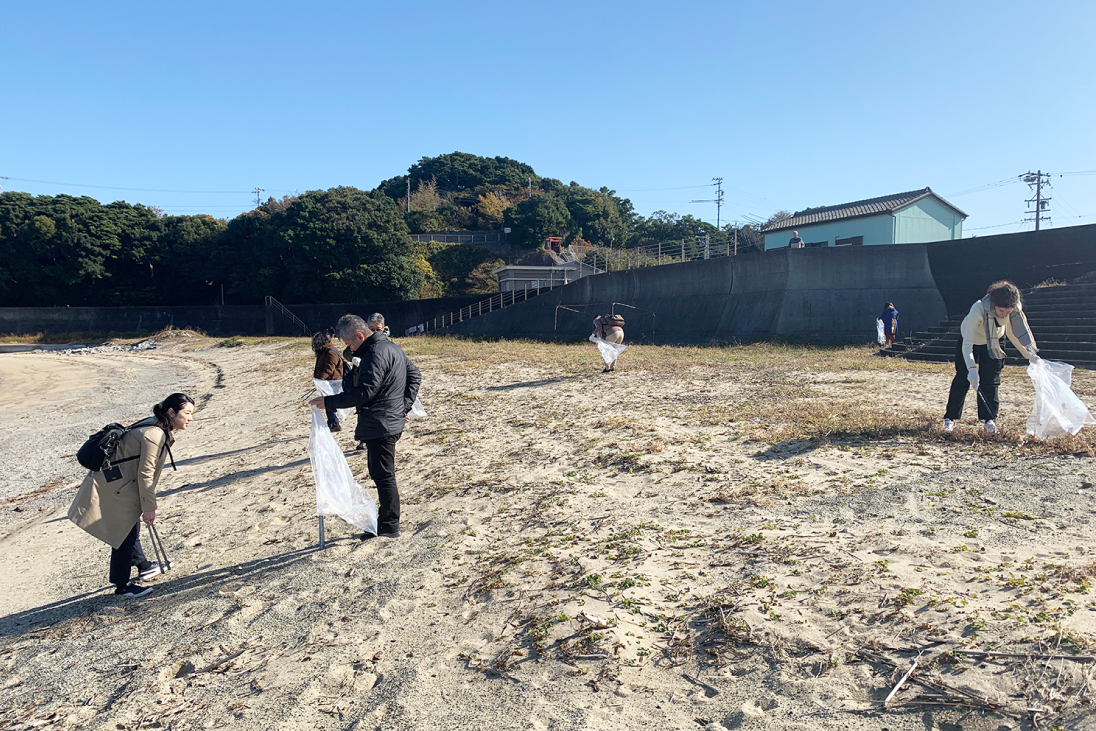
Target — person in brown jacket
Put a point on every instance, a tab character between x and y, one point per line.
329	367
110	505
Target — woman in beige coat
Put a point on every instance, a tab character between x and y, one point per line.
111	504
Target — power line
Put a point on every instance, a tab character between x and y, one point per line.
654	190
1069	205
141	190
999	225
987	186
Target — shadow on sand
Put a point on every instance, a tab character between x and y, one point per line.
91	602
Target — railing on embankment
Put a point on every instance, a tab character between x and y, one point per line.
483	307
271	302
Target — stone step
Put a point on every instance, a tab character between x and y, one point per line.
1070	333
1044	343
1060	305
1070	353
1088	320
1083	288
1066	310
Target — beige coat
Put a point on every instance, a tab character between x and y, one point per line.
109	510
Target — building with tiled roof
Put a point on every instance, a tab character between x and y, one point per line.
914	217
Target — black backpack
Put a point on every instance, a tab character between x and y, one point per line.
97	451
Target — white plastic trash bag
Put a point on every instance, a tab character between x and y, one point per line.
417	411
1057	409
609	351
330	388
879	336
337	493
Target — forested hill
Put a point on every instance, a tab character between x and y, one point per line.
336	245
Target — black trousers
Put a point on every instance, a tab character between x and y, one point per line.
381	457
332	417
989	379
126	556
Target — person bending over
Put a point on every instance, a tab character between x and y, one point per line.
979	357
111	504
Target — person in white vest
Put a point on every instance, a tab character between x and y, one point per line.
979	357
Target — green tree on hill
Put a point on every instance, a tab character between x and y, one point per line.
536	218
337	245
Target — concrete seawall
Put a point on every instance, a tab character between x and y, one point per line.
833	294
227	320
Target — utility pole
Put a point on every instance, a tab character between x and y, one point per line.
256	192
1042	205
718	199
530	188
408	193
736	238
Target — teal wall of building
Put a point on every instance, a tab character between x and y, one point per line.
875	230
927	220
920	223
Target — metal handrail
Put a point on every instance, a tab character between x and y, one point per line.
285	311
483	307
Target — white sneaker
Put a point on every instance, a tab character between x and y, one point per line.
949	426
990	427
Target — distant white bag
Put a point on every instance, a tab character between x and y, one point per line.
879	336
417	411
337	493
330	388
1057	409
609	351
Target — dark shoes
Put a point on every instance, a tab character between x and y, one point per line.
360	447
132	591
334	426
383	534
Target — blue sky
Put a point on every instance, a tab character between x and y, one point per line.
794	104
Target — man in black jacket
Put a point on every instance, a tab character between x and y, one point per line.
381	385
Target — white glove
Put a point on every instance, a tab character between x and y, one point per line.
972	376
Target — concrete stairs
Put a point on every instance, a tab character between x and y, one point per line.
1062	319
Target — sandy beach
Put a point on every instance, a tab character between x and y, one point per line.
738	537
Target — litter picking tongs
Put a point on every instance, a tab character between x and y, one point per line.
158	547
984	401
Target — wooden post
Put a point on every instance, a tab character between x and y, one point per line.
683	250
